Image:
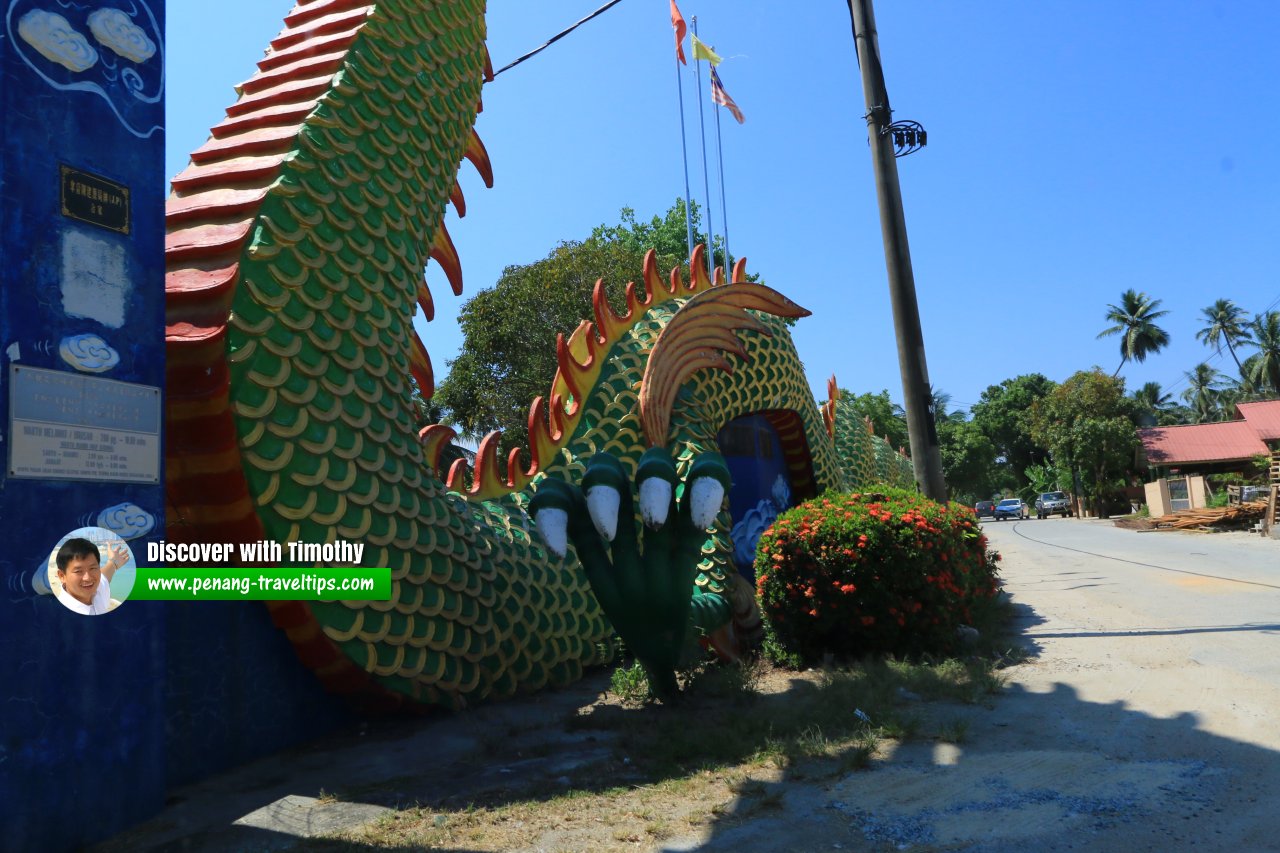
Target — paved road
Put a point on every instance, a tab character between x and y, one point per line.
1147	718
1220	594
1164	651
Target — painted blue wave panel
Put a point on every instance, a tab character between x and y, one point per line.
81	293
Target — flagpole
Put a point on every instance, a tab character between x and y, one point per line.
706	182
724	208
684	153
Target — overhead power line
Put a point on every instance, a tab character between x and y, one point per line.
1169	389
555	38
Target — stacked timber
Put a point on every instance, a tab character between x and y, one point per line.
1235	516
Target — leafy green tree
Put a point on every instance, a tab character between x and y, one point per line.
969	462
1134	320
886	416
666	235
1047	478
508	354
1264	366
1087	424
1001	413
1204	385
1227	322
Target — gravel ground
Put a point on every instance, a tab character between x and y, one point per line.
1143	720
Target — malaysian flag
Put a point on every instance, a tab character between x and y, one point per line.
721	97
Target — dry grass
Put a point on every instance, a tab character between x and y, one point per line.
715	758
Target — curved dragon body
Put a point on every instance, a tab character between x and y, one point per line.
297	240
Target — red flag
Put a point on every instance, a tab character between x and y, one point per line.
721	97
677	21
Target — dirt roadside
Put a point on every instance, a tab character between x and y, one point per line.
1107	744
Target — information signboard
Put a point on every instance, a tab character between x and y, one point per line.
68	426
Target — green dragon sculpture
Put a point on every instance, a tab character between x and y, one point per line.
296	243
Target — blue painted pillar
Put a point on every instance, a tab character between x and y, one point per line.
81	365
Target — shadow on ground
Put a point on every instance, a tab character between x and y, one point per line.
1045	767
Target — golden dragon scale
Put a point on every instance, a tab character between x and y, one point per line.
295	248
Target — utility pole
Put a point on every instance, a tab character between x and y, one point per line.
926	459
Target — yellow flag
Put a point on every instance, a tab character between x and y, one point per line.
701	51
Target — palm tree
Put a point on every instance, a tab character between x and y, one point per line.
1202	392
1152	401
1134	320
1249	389
1152	396
1227	322
1265	363
940	400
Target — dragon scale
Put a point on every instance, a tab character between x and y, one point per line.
296	243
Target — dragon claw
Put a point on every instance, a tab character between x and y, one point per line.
602	503
550	510
705	499
710	478
656	480
646	589
553	524
655	501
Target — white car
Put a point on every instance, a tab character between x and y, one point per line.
1011	508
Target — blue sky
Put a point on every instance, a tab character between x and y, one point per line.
1075	150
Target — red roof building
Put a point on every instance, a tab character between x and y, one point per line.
1215	444
1263	417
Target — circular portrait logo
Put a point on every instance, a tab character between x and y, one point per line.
91	571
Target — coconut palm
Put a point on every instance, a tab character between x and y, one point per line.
1227	322
1203	385
1152	402
940	400
1151	396
1264	365
1242	389
1134	320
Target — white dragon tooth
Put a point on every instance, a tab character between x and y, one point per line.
705	497
655	501
602	503
553	524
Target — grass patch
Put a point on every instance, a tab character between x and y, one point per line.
968	681
817	718
631	684
675	767
954	730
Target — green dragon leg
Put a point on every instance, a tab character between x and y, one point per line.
643	583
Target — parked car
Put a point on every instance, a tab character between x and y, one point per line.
1053	503
1010	508
985	509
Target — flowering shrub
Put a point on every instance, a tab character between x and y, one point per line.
856	574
